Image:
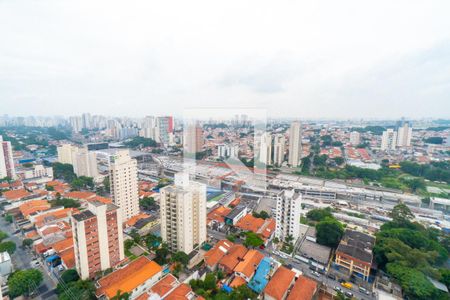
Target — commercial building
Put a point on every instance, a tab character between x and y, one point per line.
354	254
123	178
288	212
295	144
98	238
279	148
389	140
183	214
6	160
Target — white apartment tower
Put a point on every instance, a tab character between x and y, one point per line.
389	140
193	139
7	168
295	144
265	149
279	148
85	162
404	134
288	213
355	138
65	153
98	238
123	179
183	214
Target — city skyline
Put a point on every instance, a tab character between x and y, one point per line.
311	60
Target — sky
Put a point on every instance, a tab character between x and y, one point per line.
305	59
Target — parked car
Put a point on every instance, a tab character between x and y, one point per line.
331	276
337	289
364	290
315	273
347	285
348	294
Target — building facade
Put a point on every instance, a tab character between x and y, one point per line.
123	178
183	214
7	168
295	144
279	148
404	135
193	139
98	238
389	140
288	213
355	138
265	149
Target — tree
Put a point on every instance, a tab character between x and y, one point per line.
231	238
319	214
152	241
63	171
66	202
210	281
329	232
3	235
82	182
262	214
252	240
161	254
134	234
147	203
401	214
339	160
27	243
9	218
81	289
434	140
23	282
415	184
181	258
9	246
49	188
70	275
121	296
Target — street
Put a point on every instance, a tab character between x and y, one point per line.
21	260
301	266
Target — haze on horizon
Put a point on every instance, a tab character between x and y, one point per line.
307	59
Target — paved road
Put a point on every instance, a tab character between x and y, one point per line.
22	259
301	266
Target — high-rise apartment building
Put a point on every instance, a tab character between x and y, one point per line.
295	144
65	153
165	128
85	162
265	149
123	180
279	147
288	212
7	168
98	238
389	140
193	139
404	135
183	214
76	123
355	138
226	151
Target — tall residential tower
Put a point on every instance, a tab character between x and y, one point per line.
295	144
6	160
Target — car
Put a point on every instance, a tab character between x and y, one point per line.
315	273
347	285
348	294
34	264
331	276
312	268
60	268
337	289
364	290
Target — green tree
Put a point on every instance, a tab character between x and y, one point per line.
147	203
81	289
23	282
252	240
180	257
3	235
70	275
66	202
210	281
9	246
319	214
329	232
401	214
9	218
262	214
27	243
231	238
63	171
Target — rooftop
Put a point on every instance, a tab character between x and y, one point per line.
249	263
165	285
215	254
304	288
259	280
84	215
315	251
129	277
358	245
234	255
279	283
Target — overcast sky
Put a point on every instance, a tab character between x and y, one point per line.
307	59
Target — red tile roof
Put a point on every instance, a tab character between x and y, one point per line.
165	285
249	263
218	214
216	253
16	194
304	289
232	258
280	283
68	257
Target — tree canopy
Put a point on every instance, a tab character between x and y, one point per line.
8	246
23	282
329	232
252	240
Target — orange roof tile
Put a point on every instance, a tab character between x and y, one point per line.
237	281
279	283
249	263
54	216
80	195
268	228
165	285
40	248
136	218
182	292
129	277
16	194
235	202
304	289
68	257
231	259
216	253
218	214
33	206
31	234
250	223
62	245
101	199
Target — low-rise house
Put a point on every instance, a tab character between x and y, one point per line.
279	284
260	279
247	266
216	253
230	260
134	279
304	289
235	215
265	228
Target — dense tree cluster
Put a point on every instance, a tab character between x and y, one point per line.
409	252
435	171
141	142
